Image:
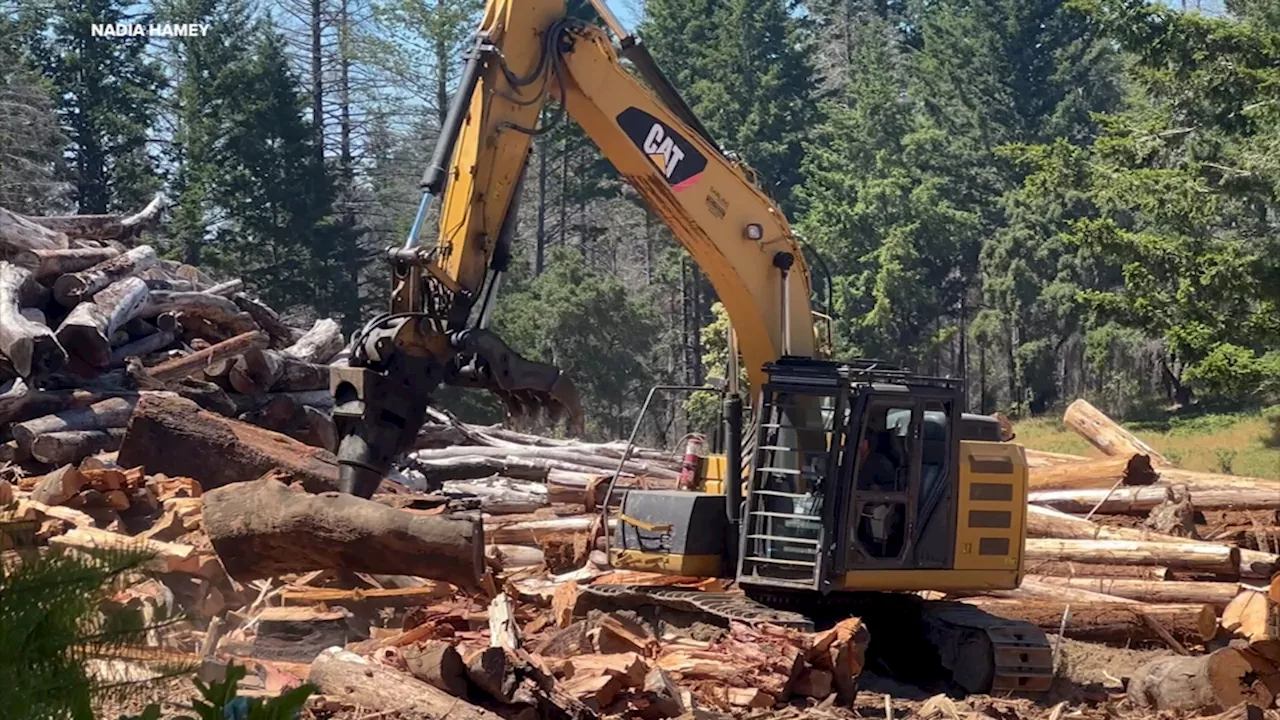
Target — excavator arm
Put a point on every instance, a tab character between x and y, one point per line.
526	53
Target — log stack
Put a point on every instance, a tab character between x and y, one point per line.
91	314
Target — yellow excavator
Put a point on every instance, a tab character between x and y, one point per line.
862	483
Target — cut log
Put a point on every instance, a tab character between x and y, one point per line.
319	344
19	403
1045	522
1201	557
1119	623
351	679
189	365
174	436
165	557
282	335
510	557
1092	570
59	448
86	331
369	598
78	287
49	264
594	691
629	668
1141	500
438	664
504	631
58	486
579	460
30	346
106	227
1204	684
226	289
261	371
1252	616
264	529
1130	470
501	495
143	346
298	634
1217	594
217	310
1103	432
491	671
18	233
102	415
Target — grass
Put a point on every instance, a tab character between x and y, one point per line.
1232	443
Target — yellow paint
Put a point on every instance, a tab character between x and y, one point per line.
668	564
968	539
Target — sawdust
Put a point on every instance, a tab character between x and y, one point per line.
1087	663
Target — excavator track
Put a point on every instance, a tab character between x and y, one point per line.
975	651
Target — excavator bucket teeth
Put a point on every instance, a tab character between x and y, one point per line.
527	388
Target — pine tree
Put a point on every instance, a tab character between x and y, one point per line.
31	140
107	90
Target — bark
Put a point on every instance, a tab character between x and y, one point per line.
1206	684
1201	557
1045	522
226	289
500	495
86	332
1091	570
18	233
1217	594
60	448
1131	470
215	309
78	287
175	437
438	664
106	227
102	415
30	346
1103	432
351	679
263	529
319	344
1141	500
143	346
18	402
510	557
573	456
49	264
282	335
1117	623
504	631
262	371
189	365
1203	481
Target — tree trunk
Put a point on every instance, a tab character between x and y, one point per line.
351	679
261	371
1131	470
86	332
189	365
49	264
1116	623
1042	459
264	529
17	233
106	227
1203	684
226	289
78	287
575	456
1044	522
319	344
1252	616
174	436
438	664
1141	500
282	335
1103	432
1217	594
18	402
102	415
30	346
142	347
1201	557
215	309
72	446
1091	570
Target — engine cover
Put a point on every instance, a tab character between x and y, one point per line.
671	531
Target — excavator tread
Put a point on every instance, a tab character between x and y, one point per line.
984	653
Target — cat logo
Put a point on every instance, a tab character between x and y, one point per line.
678	161
662	150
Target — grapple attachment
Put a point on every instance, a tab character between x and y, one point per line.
527	389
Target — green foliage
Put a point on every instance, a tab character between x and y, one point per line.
1226	460
31	140
220	702
52	629
108	91
1272	417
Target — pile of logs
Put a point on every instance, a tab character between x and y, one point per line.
1127	548
92	321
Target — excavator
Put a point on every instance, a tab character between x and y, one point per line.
859	485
